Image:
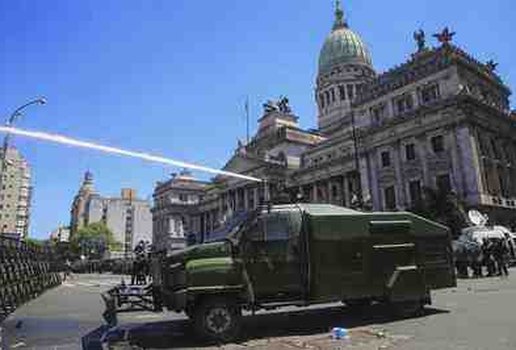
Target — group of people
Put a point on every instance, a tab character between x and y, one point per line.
492	253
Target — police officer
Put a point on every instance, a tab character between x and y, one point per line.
500	254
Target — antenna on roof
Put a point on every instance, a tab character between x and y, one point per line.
247	118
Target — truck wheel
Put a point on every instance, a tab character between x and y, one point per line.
218	319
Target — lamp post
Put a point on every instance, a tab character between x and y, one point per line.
10	121
357	161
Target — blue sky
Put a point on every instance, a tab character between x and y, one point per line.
171	77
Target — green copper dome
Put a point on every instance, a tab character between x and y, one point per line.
342	46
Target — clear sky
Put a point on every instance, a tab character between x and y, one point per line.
171	76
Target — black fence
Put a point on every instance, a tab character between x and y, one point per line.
26	271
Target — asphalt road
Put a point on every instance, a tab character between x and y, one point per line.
478	314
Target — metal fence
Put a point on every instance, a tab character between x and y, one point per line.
26	271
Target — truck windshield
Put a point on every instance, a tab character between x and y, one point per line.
281	225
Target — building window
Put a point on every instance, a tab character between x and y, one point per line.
403	103
415	191
327	95
386	159
377	113
349	88
332	95
334	191
390	198
443	183
429	93
437	144
342	92
410	151
183	197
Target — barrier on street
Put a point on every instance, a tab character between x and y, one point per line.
26	271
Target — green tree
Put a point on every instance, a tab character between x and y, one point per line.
34	242
94	240
443	207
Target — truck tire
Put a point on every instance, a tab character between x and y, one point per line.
217	319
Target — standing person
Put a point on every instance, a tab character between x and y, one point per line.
500	254
488	257
137	263
67	269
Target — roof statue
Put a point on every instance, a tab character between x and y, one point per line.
445	36
491	65
270	106
281	105
419	37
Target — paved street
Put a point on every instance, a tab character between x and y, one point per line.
476	315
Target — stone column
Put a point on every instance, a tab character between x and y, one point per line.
375	186
345	191
423	147
328	191
456	164
246	199
314	189
400	181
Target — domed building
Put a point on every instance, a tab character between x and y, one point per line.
344	67
440	120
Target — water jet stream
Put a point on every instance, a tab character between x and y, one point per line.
56	138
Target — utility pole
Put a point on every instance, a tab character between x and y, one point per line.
357	161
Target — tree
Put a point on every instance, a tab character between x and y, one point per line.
34	242
443	207
94	240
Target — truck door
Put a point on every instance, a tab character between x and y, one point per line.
272	256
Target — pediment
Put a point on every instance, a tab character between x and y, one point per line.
240	164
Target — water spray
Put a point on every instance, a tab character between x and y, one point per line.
64	140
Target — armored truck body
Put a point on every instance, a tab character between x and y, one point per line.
302	254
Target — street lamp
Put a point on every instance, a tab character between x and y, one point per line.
10	121
357	161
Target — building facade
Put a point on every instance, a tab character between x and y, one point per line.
60	234
15	195
440	120
176	204
128	217
274	153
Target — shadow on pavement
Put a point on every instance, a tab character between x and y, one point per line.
179	333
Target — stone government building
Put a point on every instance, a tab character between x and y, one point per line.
441	120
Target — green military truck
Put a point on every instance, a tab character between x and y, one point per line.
299	254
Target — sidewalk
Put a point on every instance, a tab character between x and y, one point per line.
59	317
